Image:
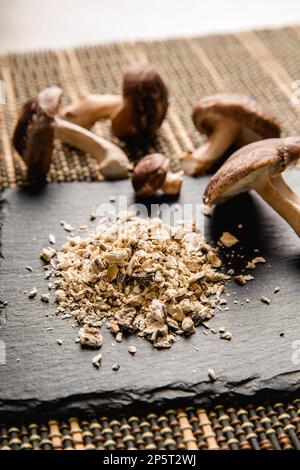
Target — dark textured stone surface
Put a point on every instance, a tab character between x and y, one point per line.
257	362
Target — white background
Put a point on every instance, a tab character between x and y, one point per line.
35	24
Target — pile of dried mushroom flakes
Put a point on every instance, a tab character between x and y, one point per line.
136	276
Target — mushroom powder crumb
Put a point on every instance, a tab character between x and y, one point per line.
228	240
139	276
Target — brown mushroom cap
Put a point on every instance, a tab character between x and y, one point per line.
145	103
33	136
242	109
149	174
244	167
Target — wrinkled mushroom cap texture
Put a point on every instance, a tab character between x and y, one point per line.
243	109
145	103
264	158
33	136
149	174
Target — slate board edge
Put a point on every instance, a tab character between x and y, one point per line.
180	394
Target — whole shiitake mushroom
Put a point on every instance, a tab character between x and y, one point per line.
152	173
37	128
136	115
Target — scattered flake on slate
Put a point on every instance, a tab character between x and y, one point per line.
90	336
247	300
112	199
29	268
211	374
223	301
265	300
59	342
83	228
97	360
32	293
119	337
45	297
92	216
242	279
115	366
276	290
47	254
49	329
252	264
225	334
258	259
67	227
52	239
18	360
281	334
228	240
132	349
108	275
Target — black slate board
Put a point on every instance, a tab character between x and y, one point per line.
41	378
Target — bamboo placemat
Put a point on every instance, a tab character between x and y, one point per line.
264	64
255	428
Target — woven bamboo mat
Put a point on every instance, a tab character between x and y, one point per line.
264	427
264	64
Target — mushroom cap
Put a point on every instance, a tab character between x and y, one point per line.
145	103
267	158
240	108
149	174
33	136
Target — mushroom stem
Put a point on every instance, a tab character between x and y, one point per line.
92	108
282	198
114	163
173	182
202	158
